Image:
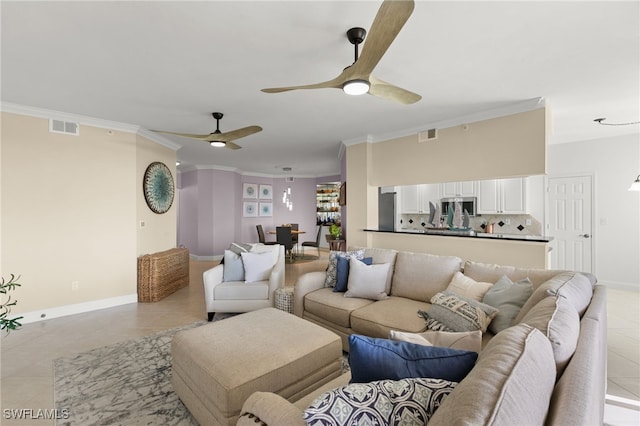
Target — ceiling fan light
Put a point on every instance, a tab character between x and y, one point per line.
635	186
356	87
218	144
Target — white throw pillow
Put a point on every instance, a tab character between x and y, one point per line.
367	281
463	340
274	249
468	287
257	266
233	269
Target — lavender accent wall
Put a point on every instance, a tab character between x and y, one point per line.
210	213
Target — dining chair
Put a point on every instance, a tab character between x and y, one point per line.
284	238
315	243
294	235
261	238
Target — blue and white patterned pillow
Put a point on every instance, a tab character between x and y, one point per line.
332	269
383	402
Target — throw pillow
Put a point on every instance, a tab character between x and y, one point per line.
367	281
238	248
379	359
557	319
450	312
384	402
508	297
257	266
463	340
342	275
233	267
468	287
332	267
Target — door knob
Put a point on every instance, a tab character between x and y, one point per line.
585	235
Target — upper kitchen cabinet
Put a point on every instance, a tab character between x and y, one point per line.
459	189
415	198
505	196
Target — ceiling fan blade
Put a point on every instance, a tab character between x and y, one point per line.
334	83
232	145
239	133
188	135
386	90
389	20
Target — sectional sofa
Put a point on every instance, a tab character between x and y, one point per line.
545	365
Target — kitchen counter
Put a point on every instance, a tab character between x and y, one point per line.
468	234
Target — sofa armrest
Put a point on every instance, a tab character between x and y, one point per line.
306	283
211	278
276	279
270	409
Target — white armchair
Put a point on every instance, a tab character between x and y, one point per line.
241	296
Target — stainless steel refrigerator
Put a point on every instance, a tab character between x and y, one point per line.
386	211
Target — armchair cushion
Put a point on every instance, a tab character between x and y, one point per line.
257	266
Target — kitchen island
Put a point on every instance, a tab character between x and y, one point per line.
524	251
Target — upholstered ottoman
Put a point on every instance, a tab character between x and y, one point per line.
217	366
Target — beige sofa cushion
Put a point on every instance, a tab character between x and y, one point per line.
333	306
511	383
394	313
574	286
419	276
557	319
489	272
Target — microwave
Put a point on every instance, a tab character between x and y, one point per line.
470	204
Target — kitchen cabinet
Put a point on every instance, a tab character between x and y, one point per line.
505	196
415	198
458	189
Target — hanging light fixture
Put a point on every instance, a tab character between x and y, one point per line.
635	186
286	194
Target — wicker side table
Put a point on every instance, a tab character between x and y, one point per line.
284	299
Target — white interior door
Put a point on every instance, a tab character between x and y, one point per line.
570	224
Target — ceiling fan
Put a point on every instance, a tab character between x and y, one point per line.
356	79
218	139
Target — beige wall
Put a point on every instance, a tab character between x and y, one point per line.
513	145
70	212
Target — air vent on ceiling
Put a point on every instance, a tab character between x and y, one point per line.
428	135
66	127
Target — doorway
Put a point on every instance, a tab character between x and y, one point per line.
570	201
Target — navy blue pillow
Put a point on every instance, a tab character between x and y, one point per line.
342	272
373	359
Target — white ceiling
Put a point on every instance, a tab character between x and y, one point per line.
168	65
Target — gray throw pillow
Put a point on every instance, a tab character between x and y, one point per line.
233	267
451	312
508	297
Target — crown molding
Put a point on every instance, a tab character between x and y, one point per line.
87	121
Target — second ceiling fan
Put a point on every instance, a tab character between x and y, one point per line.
356	79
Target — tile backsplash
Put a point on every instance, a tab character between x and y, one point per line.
519	224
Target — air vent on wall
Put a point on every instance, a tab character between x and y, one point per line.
288	179
428	135
66	127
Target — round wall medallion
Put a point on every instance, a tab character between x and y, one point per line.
158	187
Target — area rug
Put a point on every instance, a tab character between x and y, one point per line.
128	383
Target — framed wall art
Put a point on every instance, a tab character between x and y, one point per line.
158	187
249	190
266	192
250	209
266	209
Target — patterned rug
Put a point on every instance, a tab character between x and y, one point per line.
127	383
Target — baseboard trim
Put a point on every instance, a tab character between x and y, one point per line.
205	258
77	308
620	285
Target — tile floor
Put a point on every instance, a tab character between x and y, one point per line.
27	355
